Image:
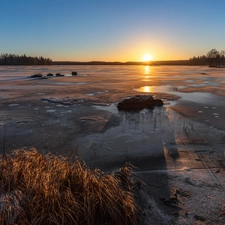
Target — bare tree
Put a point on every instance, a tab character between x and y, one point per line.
213	58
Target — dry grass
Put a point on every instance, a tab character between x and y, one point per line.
46	189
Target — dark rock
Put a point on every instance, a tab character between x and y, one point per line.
148	100
132	103
158	102
59	75
43	78
36	75
50	75
139	102
74	73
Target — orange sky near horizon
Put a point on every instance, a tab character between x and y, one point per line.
127	54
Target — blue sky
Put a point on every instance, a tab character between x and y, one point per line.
111	30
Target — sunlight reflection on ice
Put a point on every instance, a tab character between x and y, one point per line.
147	69
148	89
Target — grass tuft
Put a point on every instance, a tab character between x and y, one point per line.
46	189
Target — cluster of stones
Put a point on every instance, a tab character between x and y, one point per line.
39	75
139	102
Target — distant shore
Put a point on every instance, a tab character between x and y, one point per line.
151	63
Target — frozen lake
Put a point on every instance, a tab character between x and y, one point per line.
179	146
187	73
190	83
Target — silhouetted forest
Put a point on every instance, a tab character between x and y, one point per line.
155	63
199	60
12	59
213	58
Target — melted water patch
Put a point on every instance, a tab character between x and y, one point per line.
80	83
11	105
210	83
111	108
102	92
50	110
196	85
57	83
216	115
199	97
196	97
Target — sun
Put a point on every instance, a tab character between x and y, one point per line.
147	57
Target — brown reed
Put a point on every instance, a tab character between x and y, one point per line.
47	189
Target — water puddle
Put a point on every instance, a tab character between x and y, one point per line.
12	105
57	83
216	115
196	97
196	85
81	83
200	98
50	110
80	100
67	75
111	108
102	92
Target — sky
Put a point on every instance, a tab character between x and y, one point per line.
111	30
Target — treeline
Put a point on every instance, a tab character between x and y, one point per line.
96	63
213	58
199	60
153	63
12	59
168	62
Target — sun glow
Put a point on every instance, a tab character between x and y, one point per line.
147	57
